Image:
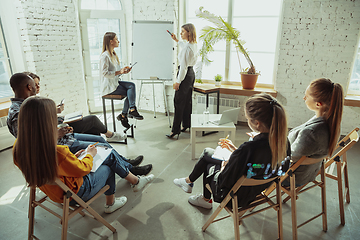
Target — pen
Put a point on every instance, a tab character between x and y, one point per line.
226	138
94	144
169	32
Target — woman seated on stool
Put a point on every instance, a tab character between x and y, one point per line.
266	155
317	137
111	83
42	161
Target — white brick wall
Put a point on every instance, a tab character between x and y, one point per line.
318	39
49	33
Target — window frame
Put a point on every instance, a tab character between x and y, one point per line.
6	60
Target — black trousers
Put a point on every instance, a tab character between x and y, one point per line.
90	125
183	102
206	166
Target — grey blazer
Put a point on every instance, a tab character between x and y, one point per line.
310	139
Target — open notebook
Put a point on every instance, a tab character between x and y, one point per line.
102	154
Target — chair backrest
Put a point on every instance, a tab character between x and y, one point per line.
243	181
343	146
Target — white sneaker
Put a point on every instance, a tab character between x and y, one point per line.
118	203
117	137
181	182
199	201
143	180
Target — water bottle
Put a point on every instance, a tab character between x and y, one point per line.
206	114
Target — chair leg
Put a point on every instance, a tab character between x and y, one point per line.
279	210
340	192
323	198
31	213
235	216
113	114
346	179
211	218
293	206
64	219
104	111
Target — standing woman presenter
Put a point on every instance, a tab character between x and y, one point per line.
111	83
185	79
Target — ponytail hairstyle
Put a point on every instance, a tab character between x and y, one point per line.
190	28
268	111
35	149
106	46
331	96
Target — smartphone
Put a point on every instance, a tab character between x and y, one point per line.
62	102
131	66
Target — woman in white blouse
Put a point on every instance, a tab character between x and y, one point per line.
185	79
110	72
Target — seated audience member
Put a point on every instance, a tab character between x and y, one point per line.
317	137
42	165
266	155
24	87
89	124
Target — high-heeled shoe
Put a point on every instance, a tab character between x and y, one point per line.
172	135
184	129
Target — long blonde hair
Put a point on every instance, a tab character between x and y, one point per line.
35	149
106	46
265	109
331	96
190	28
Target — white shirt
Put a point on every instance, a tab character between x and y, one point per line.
187	57
108	80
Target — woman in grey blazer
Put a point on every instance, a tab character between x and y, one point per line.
317	137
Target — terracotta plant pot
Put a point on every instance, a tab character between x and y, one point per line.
248	81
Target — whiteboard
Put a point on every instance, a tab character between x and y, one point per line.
152	49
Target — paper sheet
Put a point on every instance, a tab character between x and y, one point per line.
102	154
222	154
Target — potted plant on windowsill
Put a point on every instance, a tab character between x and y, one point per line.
218	79
224	31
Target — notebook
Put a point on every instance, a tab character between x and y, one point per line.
227	116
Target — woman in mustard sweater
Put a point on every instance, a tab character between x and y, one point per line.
42	161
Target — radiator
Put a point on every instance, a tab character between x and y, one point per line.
224	104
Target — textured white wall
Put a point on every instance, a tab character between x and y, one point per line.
50	38
318	39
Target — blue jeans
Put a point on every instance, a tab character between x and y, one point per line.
104	175
84	140
128	89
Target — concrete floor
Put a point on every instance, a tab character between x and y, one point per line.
161	210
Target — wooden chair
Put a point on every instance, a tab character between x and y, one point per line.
68	211
112	98
340	161
238	213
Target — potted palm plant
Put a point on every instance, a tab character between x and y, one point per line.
224	31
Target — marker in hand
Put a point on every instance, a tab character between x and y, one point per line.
169	32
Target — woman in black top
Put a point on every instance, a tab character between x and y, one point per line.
265	155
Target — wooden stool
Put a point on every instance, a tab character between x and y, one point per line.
112	98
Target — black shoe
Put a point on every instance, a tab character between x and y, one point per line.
184	129
172	135
133	113
143	170
136	161
124	121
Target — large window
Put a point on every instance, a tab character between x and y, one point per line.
5	70
258	27
354	85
